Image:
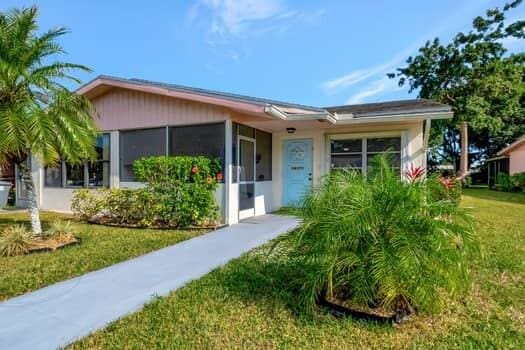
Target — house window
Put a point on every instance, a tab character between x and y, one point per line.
357	154
98	170
246	131
53	176
263	156
135	144
263	153
347	154
385	145
75	175
94	173
198	140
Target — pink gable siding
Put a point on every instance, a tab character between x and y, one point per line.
517	160
125	109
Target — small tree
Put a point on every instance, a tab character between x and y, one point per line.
377	240
39	116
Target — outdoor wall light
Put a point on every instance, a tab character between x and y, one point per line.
290	130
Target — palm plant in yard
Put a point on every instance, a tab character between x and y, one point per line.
39	116
379	241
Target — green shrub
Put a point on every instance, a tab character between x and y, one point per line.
131	206
15	240
179	191
503	182
518	181
184	187
381	241
87	203
441	188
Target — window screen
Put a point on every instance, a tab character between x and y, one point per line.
198	140
347	153
263	156
358	153
75	175
391	146
135	144
98	170
53	176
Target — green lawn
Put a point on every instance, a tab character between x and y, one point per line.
101	246
250	303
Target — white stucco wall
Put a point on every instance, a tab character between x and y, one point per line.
57	199
411	149
263	197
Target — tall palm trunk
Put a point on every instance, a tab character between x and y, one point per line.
34	214
463	163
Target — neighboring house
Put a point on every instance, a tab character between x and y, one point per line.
272	152
510	160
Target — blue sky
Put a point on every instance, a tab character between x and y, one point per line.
312	52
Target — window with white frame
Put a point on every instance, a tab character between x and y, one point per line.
94	173
357	153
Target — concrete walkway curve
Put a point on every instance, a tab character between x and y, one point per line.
59	314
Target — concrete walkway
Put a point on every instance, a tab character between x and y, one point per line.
64	312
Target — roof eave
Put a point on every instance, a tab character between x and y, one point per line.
101	84
351	119
511	147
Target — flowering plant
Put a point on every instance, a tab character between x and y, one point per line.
414	173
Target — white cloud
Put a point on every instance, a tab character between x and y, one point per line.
228	19
360	75
372	89
234	16
378	72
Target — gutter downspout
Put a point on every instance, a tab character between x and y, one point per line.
278	113
275	112
426	136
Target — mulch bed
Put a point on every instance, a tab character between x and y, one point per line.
107	221
52	244
343	308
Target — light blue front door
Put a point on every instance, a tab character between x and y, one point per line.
297	169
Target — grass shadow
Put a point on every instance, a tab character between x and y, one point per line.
272	282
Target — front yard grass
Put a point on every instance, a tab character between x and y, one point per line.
101	246
251	303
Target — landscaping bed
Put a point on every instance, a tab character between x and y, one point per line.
252	303
100	247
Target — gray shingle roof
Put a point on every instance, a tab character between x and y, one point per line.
405	107
390	108
227	95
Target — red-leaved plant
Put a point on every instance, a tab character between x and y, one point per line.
414	173
447	182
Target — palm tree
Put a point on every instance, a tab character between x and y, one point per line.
39	116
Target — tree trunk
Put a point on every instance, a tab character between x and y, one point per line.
463	164
34	215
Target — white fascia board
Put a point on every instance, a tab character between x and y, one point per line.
350	119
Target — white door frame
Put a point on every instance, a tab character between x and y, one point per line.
246	213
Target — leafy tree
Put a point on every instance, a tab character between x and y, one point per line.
476	76
39	116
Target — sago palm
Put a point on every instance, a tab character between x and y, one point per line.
377	240
39	116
